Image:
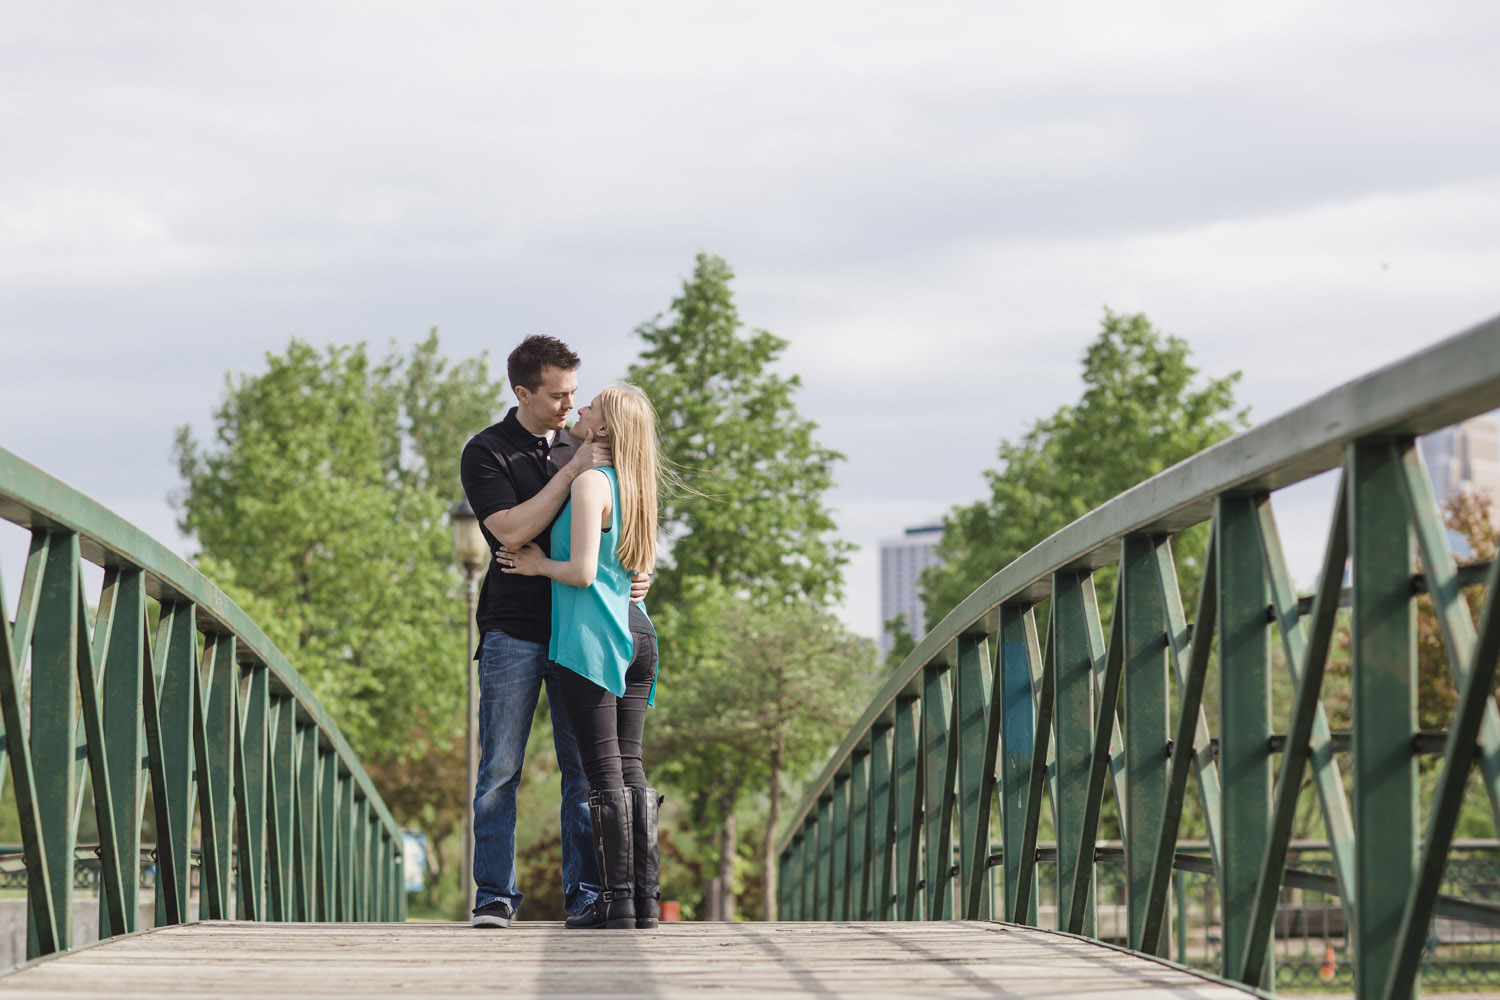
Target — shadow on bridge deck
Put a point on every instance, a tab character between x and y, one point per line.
247	961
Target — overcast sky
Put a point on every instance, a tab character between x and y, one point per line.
932	202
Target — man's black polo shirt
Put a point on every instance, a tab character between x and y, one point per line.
505	465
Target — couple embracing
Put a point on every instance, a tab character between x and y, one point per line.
571	517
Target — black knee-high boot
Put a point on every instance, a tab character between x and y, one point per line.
611	811
647	805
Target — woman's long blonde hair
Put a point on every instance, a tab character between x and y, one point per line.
630	421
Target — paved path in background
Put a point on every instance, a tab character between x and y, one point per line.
246	961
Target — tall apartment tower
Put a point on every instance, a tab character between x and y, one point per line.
1465	458
902	561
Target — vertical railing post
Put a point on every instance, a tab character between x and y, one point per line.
787	864
976	773
1146	723
1244	719
124	735
172	778
938	766
838	881
54	694
220	730
305	825
859	836
823	888
1014	702
326	835
1382	626
807	906
42	919
348	844
281	894
908	805
882	824
1073	726
250	798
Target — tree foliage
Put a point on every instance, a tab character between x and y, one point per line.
763	690
758	677
753	515
320	505
1142	410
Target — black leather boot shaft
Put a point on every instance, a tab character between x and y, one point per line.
611	811
647	806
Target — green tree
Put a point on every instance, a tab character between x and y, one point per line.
1142	410
319	504
764	691
754	515
902	641
751	568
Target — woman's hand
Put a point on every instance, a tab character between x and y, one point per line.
526	561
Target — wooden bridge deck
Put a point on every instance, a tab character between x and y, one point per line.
246	961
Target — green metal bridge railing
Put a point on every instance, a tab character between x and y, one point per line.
237	748
993	711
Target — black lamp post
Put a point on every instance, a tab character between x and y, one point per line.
473	553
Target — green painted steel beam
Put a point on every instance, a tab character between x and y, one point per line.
33	499
176	674
250	786
939	764
1142	617
908	802
1308	737
838	853
1382	625
1192	746
122	613
42	905
1106	698
1452	612
54	696
1038	774
976	744
1016	659
220	733
1473	701
281	797
307	815
26	606
91	716
882	825
1073	731
1244	717
823	891
809	894
858	907
1441	385
327	836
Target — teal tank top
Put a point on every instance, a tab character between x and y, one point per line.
591	625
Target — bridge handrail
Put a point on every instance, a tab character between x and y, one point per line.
1365	426
67	526
1450	382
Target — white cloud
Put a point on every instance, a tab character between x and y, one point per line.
932	203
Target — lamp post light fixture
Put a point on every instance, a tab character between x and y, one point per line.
473	553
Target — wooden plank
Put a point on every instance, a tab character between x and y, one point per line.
247	961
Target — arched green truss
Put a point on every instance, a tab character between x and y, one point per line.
991	714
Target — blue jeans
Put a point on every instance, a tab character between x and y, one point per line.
511	674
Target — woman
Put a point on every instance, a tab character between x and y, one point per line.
606	532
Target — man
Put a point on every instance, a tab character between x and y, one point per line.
517	475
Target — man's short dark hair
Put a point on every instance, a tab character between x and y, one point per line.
525	364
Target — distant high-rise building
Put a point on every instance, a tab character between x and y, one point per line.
1464	457
902	561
